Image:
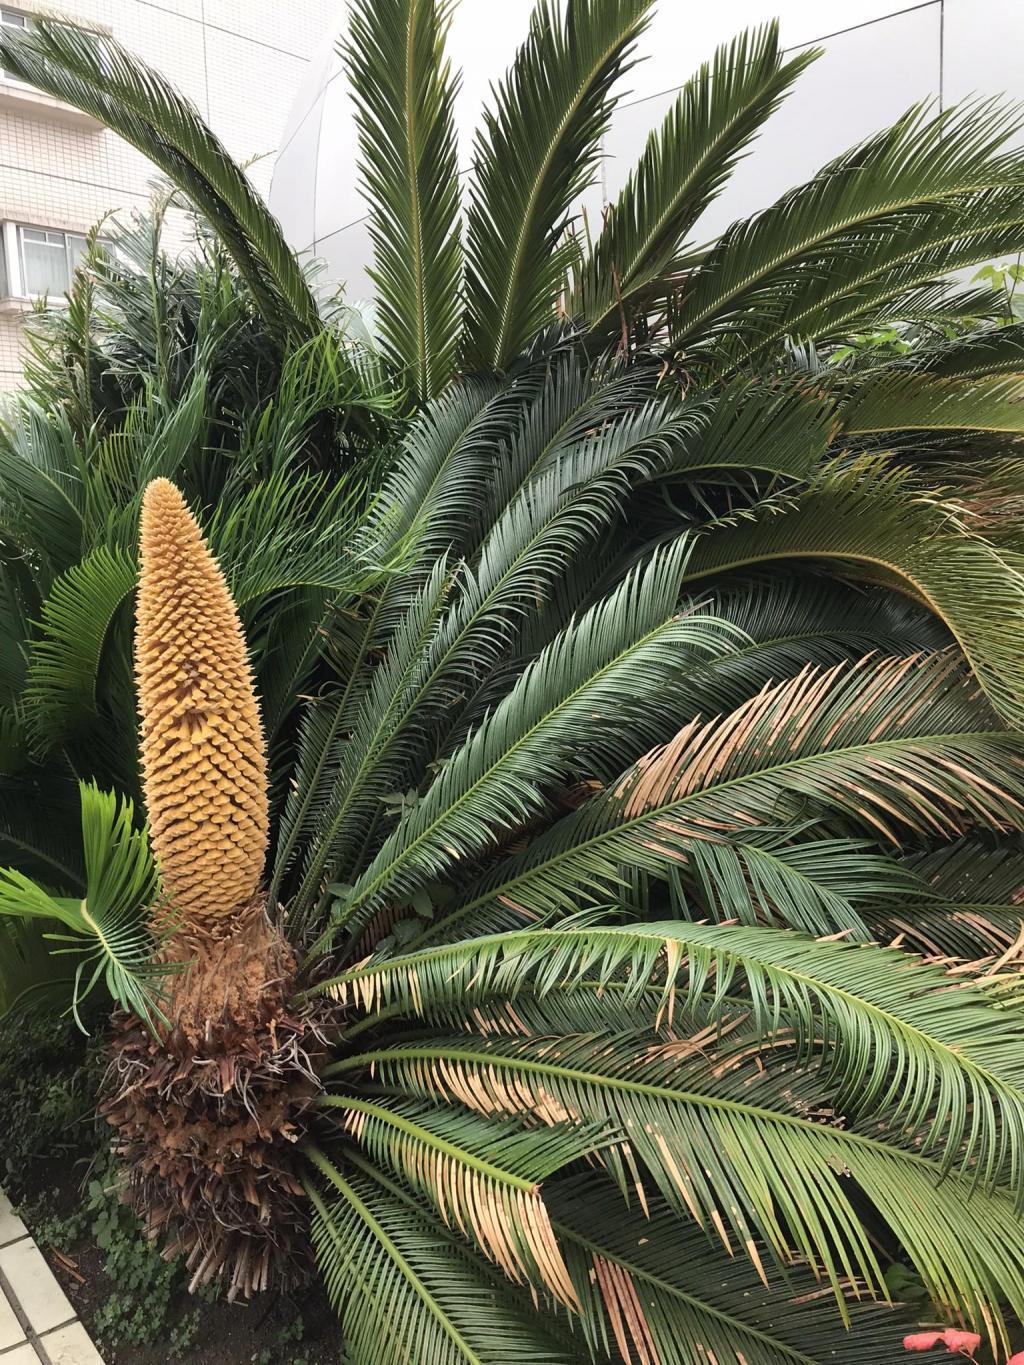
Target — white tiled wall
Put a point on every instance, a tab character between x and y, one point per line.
241	61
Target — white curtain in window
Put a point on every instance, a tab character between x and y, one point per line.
76	251
45	258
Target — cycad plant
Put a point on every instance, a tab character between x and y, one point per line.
633	973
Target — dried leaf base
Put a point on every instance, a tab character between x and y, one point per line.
207	1120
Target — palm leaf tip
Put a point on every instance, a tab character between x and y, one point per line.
537	153
202	743
683	168
405	93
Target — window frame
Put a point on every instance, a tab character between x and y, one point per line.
12	238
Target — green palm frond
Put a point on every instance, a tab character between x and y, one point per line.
107	929
156	438
286	638
789	620
535	155
64	661
894	748
351	753
894	274
403	1290
779	428
990	351
41	486
780	604
32	979
294	531
52	849
552	521
658	1290
684	166
970	868
893	403
18	604
441	475
739	1145
547	525
330	378
97	75
942	1066
922	160
819	885
972	910
610	668
867	514
945	929
574	398
405	93
794	619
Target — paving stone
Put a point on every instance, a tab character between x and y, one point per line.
24	1355
11	1226
34	1286
10	1328
69	1346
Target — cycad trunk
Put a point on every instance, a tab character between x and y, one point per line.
208	1110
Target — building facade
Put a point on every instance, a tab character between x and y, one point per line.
241	61
880	57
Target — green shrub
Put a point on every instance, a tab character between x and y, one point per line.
49	1076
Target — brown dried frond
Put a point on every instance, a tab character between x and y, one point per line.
772	727
625	1310
204	761
509	1220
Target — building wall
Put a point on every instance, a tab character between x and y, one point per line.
242	63
880	57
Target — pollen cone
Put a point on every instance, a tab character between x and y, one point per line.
203	757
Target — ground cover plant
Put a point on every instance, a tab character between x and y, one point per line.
577	720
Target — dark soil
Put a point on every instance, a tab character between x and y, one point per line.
228	1334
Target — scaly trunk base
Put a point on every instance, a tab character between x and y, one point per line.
207	1120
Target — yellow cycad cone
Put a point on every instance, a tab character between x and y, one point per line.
203	756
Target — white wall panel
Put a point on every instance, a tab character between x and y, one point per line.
346	255
984	49
338	200
682	34
321	66
295	179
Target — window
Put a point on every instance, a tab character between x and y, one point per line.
35	261
47	259
12	18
